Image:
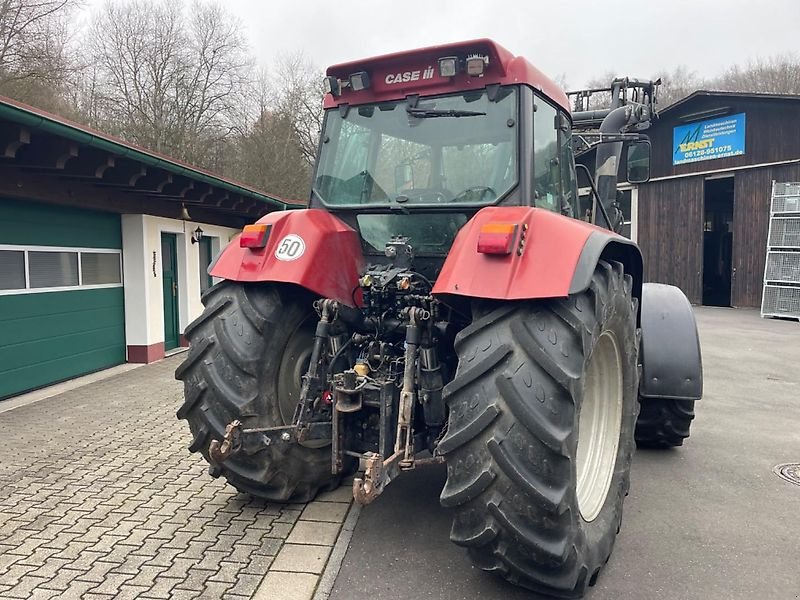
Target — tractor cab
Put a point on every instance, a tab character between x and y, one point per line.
416	143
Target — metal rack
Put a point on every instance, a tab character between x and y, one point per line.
781	295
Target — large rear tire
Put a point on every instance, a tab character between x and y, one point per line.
248	352
540	434
663	422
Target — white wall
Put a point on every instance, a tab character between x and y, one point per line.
141	247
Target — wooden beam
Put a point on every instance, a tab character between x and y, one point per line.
12	138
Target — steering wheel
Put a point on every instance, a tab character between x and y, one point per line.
475	193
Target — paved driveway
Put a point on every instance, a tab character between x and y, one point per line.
99	498
709	520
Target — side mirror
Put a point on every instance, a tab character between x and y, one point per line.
638	162
403	177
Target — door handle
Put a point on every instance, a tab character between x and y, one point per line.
174	288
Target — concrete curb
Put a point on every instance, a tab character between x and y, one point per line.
328	578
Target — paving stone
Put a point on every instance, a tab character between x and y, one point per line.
97	573
162	588
16	572
147	575
214	590
196	579
112	582
132	564
287	586
301	558
288	515
280	530
44	594
227	572
314	532
246	585
343	493
51	567
63	580
334	512
25	586
258	565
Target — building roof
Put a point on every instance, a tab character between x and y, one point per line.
721	94
35	119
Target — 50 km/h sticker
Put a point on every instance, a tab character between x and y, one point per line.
290	247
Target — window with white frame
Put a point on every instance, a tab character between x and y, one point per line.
30	269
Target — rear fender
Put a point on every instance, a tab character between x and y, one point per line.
554	257
672	366
326	255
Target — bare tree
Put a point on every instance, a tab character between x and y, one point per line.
299	96
778	74
677	84
166	82
34	54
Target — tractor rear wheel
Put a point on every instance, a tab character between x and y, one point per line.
540	434
663	422
248	352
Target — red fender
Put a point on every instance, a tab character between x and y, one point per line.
554	257
327	260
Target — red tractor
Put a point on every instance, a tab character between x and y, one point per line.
448	296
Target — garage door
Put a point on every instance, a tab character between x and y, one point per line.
61	299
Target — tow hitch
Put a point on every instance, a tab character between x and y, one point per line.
237	439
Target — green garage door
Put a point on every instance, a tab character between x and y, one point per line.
61	300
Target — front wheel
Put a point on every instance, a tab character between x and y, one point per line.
540	434
663	422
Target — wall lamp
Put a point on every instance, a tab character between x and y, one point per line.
197	235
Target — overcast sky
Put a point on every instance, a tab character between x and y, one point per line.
578	38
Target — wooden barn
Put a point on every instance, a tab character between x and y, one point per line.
702	220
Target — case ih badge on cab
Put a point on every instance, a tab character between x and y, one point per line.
449	297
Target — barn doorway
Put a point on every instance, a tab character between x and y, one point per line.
718	271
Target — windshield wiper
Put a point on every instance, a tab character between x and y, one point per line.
432	113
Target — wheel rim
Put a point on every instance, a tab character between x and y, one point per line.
599	426
294	364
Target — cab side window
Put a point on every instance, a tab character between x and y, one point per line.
546	168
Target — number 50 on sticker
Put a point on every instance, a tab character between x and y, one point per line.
290	247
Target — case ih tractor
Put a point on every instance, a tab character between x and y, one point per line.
448	297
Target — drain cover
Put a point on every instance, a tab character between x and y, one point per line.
790	472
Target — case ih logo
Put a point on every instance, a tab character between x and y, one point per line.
406	76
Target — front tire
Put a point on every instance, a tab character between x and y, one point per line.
663	422
540	434
248	351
